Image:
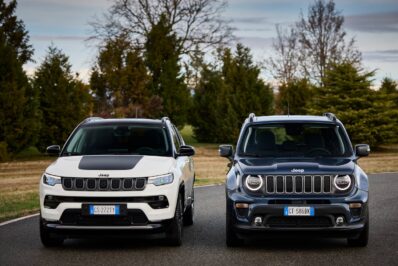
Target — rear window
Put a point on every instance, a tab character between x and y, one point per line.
119	139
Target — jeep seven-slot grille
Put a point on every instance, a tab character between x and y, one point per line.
103	184
299	184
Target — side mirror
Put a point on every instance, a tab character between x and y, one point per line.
186	150
362	150
53	150
226	151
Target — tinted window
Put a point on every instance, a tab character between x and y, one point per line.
176	139
294	140
119	139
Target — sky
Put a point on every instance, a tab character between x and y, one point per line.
65	24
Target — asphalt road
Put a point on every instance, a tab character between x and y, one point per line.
204	242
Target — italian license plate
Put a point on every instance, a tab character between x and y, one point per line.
104	209
299	211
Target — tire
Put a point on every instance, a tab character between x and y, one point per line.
232	240
48	239
363	238
190	211
174	233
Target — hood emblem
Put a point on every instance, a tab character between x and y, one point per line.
294	170
103	175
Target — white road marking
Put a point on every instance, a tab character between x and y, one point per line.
18	219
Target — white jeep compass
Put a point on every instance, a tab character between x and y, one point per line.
118	176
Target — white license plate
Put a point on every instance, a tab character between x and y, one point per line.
299	211
104	209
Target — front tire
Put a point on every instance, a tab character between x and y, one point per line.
363	238
189	212
174	233
232	240
48	239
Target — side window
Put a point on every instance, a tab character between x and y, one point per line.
176	139
179	136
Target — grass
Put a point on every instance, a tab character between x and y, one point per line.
19	179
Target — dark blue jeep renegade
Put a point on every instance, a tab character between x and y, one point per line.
296	174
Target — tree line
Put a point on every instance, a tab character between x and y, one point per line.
174	58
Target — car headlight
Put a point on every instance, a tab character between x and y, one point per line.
161	180
51	180
254	182
342	182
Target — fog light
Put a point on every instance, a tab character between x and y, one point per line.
355	205
242	205
258	221
340	220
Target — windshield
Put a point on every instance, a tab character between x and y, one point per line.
294	140
119	139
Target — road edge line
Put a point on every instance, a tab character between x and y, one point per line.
18	219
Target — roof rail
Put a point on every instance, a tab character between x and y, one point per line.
251	117
331	116
165	118
89	119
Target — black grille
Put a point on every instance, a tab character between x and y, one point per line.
297	184
281	221
75	217
103	184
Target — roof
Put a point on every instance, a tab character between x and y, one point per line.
292	118
101	121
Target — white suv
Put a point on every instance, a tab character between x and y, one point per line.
118	176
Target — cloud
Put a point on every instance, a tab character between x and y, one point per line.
256	42
373	22
249	20
47	38
390	56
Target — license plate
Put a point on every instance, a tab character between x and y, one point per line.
104	209
299	211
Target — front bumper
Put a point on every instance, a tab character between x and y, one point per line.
70	205
273	221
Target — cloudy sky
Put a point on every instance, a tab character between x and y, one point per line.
373	23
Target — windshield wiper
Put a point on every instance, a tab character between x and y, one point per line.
252	155
72	153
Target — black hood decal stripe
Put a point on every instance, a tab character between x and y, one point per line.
110	162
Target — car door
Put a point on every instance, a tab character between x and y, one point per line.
185	165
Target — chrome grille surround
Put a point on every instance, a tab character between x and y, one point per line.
298	185
103	184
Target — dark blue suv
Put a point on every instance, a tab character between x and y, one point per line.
296	174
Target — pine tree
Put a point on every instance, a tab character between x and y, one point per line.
162	58
64	100
347	93
225	97
19	114
293	97
120	83
247	93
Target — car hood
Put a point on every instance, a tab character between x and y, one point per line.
112	165
293	166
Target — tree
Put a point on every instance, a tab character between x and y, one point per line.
366	114
284	64
64	100
389	86
225	96
19	114
322	40
13	31
294	97
194	22
120	82
162	59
